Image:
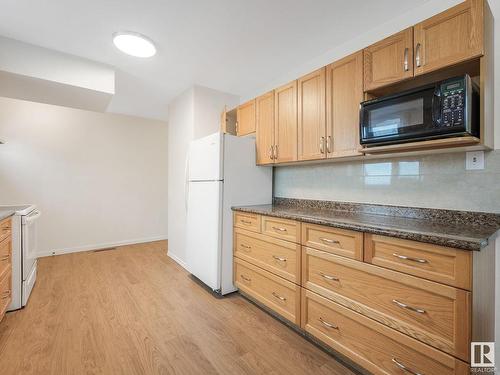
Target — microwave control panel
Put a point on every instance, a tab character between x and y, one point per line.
453	103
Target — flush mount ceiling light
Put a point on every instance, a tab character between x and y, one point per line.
134	44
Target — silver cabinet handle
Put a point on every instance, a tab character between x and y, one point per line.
329	277
5	229
329	144
279	258
271	152
404	368
5	257
245	247
275	152
6	295
247	222
279	229
417	54
405	306
322	145
405	64
245	278
279	297
327	240
410	258
326	324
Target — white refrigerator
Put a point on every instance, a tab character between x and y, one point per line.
221	173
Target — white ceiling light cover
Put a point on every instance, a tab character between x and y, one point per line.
134	44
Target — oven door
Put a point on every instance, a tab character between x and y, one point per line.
407	116
29	238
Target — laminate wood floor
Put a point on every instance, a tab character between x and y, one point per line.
135	311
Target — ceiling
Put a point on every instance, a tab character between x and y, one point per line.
234	46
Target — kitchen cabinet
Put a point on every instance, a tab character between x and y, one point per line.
312	116
389	61
344	93
246	118
451	37
265	129
285	123
228	121
5	265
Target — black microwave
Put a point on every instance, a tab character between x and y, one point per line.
443	109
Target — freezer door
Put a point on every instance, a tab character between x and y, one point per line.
205	158
203	237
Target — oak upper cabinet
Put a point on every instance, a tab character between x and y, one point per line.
285	123
246	118
451	37
344	92
265	128
389	61
312	116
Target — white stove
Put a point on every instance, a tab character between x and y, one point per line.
24	253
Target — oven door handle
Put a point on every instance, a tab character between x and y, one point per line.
436	107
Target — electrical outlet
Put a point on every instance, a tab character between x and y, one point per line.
474	160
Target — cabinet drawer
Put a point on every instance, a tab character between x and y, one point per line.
5	228
342	242
5	255
247	221
5	292
442	264
436	314
372	345
281	228
277	256
273	291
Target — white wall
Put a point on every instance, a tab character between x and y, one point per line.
192	115
99	179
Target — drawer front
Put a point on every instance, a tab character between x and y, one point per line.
247	221
377	348
436	314
342	242
273	291
5	292
5	255
5	228
277	256
442	264
288	230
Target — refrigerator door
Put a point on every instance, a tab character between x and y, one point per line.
205	158
203	237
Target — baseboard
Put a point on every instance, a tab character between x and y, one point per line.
179	261
78	249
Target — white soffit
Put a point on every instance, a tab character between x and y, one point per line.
42	75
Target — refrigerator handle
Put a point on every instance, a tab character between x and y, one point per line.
186	183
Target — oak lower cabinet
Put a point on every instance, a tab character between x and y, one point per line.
5	265
372	345
392	306
245	118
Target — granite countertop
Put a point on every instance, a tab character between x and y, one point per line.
4	213
458	229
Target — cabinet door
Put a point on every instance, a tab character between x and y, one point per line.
246	118
285	123
389	61
344	92
265	128
450	37
311	116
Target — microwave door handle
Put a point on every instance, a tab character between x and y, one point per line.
436	107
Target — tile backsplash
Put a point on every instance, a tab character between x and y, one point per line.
434	181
